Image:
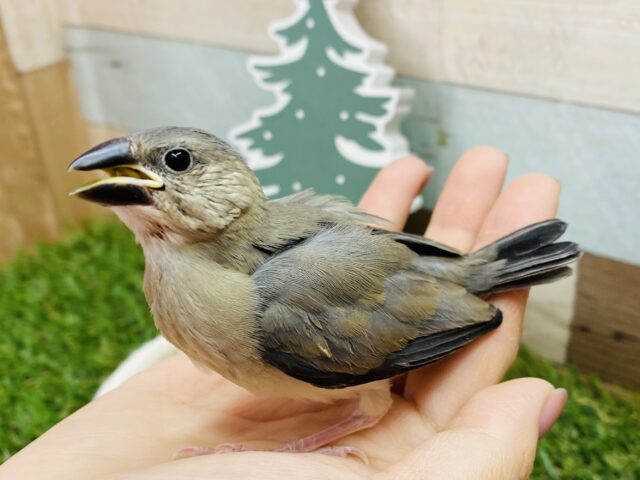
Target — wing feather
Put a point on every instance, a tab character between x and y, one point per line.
345	307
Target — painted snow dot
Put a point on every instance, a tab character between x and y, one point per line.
296	186
267	135
340	179
310	23
344	115
321	71
299	114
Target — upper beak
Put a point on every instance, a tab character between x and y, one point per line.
128	182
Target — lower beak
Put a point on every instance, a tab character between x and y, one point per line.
128	182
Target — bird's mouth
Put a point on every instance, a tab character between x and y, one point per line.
126	182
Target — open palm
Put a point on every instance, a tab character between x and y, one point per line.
449	420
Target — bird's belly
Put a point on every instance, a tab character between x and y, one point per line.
267	381
253	374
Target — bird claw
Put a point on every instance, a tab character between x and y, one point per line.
198	450
344	451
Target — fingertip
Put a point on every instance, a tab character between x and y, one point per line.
414	163
490	156
552	410
395	187
536	180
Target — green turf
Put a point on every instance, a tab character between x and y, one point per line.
72	311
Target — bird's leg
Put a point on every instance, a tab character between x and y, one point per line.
372	406
357	421
313	443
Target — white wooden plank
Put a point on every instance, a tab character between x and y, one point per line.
547	324
571	50
239	24
33	32
137	82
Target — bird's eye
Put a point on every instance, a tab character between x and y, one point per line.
177	159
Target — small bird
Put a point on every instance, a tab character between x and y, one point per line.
303	296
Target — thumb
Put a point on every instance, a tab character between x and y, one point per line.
494	435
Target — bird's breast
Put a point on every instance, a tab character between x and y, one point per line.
204	309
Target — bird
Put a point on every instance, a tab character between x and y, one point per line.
303	296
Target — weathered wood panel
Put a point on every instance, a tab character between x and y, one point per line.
570	50
605	334
547	323
27	210
60	131
34	33
593	152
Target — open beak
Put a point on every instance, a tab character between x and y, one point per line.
128	182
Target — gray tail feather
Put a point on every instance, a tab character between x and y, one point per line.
524	258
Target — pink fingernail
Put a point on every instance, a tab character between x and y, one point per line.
552	410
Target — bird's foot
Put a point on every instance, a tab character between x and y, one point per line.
336	451
315	443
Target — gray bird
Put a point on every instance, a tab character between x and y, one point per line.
300	296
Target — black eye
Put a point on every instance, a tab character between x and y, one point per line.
177	159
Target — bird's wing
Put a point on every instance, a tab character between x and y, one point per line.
345	307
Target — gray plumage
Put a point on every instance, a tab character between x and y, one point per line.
306	294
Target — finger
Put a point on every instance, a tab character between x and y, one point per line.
446	386
392	191
494	435
469	193
472	187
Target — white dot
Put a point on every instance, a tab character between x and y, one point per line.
340	179
296	186
299	114
310	23
267	135
321	71
344	115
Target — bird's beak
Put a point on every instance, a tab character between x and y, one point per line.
128	182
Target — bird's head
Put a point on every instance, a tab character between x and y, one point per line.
173	182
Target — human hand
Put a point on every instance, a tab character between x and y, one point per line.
449	420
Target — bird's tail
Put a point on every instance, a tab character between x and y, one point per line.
524	258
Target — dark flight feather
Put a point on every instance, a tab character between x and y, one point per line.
419	352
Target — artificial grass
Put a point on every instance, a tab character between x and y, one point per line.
70	312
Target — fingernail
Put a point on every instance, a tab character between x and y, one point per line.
552	410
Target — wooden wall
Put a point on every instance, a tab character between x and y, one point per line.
43	128
552	83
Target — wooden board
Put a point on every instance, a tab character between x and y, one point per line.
605	333
61	136
34	33
570	50
27	210
593	152
547	322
